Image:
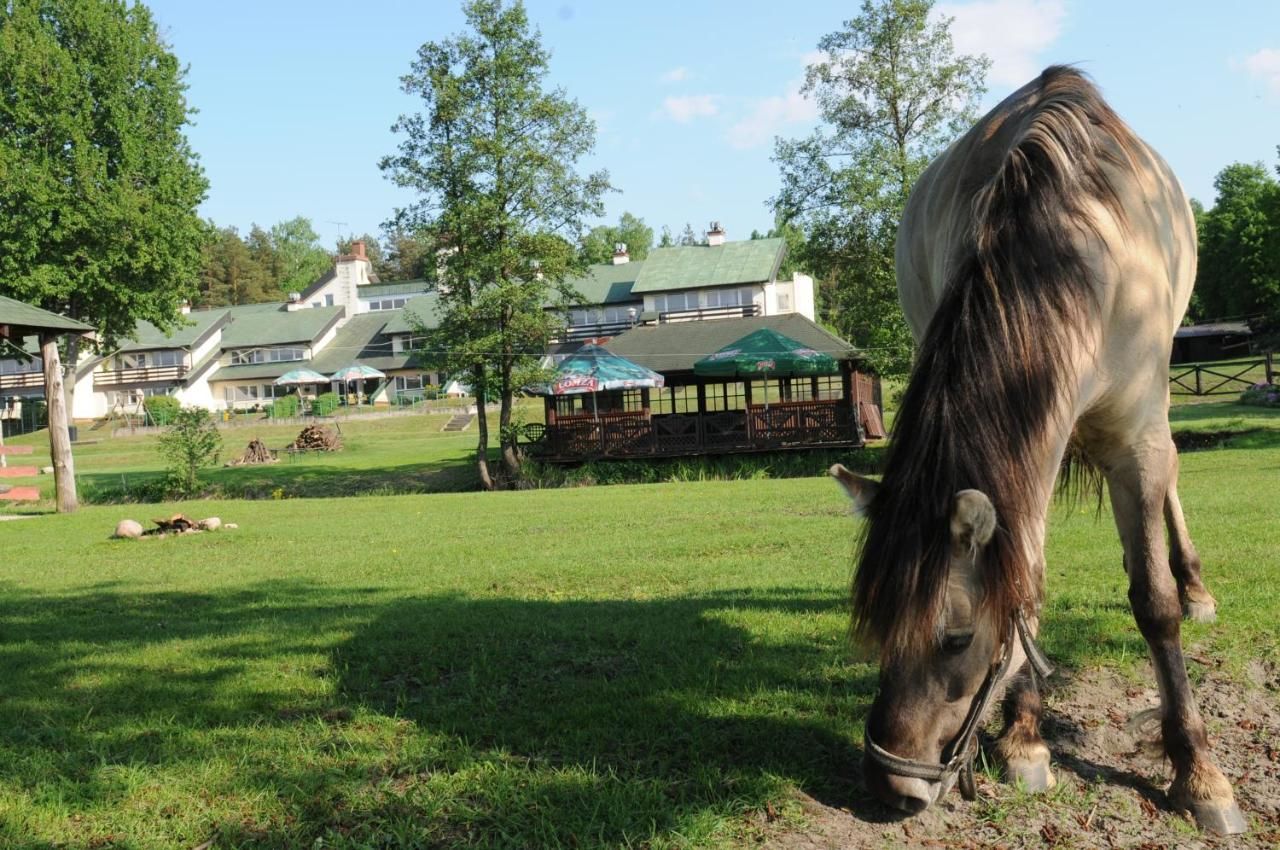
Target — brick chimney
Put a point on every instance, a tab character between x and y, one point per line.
357	249
620	254
715	236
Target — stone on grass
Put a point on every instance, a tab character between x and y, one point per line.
229	526
213	523
46	470
128	529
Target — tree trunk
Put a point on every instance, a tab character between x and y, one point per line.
482	429
510	453
69	375
64	472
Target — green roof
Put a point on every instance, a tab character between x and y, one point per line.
194	328
257	371
607	283
254	328
399	287
25	317
676	346
425	309
697	266
361	340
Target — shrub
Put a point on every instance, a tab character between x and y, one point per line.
1261	394
285	407
161	409
191	442
325	404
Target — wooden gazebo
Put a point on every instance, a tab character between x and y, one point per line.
695	415
18	321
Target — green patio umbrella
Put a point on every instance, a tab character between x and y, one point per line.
593	368
298	377
355	373
764	353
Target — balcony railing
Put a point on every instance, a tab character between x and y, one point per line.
741	311
147	375
577	333
21	380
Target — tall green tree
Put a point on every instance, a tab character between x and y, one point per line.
300	257
231	274
98	184
891	94
493	157
598	242
1239	268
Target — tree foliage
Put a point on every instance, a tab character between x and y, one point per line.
190	443
1239	268
597	243
891	93
98	184
266	265
493	159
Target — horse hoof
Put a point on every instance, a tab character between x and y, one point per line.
1201	612
1220	818
1034	776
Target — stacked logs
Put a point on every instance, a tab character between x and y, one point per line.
315	438
256	453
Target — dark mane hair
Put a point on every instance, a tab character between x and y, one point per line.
994	359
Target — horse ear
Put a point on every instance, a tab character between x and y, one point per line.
861	490
973	519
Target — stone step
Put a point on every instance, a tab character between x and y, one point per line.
458	423
18	471
16	450
19	494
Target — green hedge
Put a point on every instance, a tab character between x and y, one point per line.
284	408
325	404
161	408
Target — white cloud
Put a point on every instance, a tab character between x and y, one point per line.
1013	33
688	107
675	75
769	115
1265	65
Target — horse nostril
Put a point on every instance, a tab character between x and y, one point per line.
909	804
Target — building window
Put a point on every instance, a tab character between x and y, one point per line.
21	367
246	356
387	304
328	300
672	302
149	359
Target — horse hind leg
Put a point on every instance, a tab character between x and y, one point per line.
1197	603
1020	748
1139	480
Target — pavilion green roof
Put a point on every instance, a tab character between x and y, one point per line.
698	266
27	317
676	346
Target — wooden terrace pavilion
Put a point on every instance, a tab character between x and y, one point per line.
696	415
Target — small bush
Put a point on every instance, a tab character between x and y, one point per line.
285	408
325	404
1261	394
161	409
191	442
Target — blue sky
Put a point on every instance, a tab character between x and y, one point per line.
296	100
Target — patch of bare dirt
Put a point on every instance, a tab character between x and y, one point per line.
1111	777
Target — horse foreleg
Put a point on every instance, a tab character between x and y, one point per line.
1020	747
1197	603
1140	483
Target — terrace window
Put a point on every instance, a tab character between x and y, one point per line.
387	304
672	302
21	367
246	356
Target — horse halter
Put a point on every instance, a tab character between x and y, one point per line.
964	747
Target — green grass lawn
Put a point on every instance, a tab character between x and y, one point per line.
609	666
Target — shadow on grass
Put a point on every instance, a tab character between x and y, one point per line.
367	720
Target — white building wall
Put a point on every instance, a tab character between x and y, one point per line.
206	348
803	299
88	404
199	393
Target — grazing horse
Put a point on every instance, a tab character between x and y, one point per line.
1044	261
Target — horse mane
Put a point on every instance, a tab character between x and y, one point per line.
993	361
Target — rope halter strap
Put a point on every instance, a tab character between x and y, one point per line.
959	755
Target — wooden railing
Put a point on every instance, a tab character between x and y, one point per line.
635	434
151	374
596	330
739	312
21	380
1225	377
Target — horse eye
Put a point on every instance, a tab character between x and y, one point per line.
953	644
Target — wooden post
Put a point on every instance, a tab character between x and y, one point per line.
813	388
1271	367
849	400
702	413
64	471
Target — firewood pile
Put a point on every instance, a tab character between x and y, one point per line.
256	453
316	438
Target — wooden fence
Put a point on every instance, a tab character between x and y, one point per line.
1225	377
